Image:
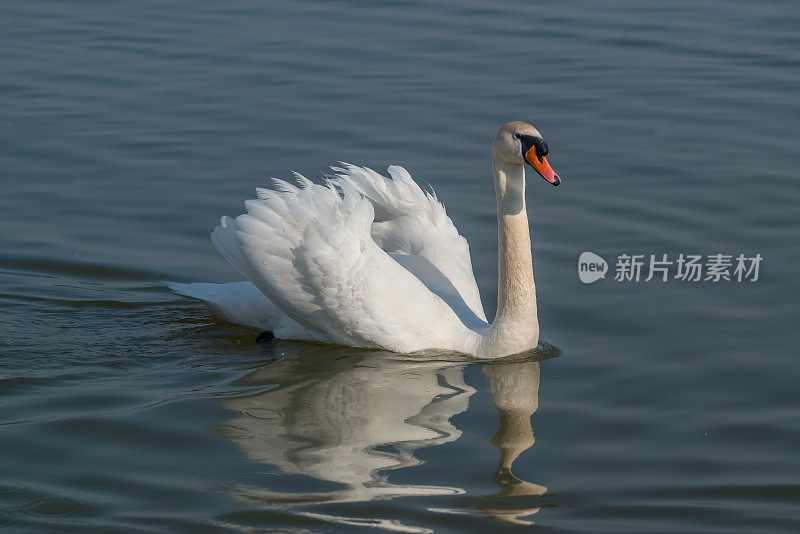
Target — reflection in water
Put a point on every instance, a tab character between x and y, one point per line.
348	417
514	391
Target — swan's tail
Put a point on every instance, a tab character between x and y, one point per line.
238	302
212	293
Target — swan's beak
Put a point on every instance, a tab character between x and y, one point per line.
542	167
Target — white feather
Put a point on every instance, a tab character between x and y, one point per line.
414	228
314	256
243	303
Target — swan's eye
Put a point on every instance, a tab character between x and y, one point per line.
517	136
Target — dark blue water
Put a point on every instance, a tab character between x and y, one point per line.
127	129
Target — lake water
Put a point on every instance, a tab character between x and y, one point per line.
128	129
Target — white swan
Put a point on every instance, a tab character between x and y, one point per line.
370	261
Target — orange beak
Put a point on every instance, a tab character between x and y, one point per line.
542	167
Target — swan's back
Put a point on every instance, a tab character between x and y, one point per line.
319	255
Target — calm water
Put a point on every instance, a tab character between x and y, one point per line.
127	129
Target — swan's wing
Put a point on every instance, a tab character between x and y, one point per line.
309	249
413	226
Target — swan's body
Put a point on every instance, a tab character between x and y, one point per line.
371	261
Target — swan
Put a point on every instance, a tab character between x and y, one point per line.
371	261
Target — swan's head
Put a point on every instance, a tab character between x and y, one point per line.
519	143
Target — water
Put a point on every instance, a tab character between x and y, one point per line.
128	129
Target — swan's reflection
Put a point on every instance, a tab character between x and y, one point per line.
514	391
348	417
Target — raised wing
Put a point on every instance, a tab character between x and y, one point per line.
413	227
310	250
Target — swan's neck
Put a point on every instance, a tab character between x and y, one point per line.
516	326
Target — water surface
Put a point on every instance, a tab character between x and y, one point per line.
128	129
